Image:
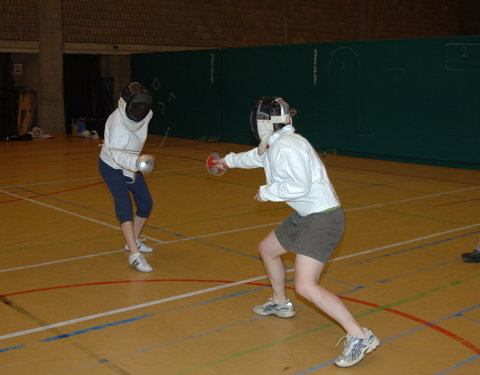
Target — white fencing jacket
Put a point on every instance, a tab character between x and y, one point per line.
294	172
124	140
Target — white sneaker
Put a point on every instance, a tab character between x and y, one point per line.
141	247
138	262
355	348
282	310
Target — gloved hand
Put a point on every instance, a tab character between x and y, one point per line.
145	164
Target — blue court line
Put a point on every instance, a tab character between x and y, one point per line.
131	320
228	296
21	346
402	251
97	328
226	249
147	226
383	281
405	333
233	295
458	365
236	324
70	203
193	239
168	343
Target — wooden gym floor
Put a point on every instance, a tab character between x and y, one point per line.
72	305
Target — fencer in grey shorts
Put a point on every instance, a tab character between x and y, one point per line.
315	235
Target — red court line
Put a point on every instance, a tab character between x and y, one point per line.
444	331
118	282
55	192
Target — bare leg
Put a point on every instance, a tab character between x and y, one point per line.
307	275
271	251
136	260
130	237
138	223
131	232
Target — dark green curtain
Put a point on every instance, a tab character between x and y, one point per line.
8	119
85	92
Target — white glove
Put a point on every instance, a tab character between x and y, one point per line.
145	164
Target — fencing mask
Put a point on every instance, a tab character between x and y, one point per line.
138	101
269	113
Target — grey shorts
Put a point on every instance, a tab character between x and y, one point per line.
315	235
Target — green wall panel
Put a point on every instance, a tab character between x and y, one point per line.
410	99
249	73
185	88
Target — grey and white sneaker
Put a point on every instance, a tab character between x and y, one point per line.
138	262
283	310
355	348
141	247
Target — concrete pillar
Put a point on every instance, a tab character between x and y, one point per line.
368	19
50	105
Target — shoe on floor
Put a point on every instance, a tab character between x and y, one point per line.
141	247
282	310
355	348
472	257
138	262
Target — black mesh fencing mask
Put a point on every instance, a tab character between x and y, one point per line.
138	101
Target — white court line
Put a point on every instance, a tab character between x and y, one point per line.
235	231
50	182
60	261
231	231
91	178
122	250
416	198
72	213
129	308
403	242
202	291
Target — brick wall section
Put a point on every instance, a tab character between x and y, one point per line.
470	15
210	23
18	20
417	19
240	23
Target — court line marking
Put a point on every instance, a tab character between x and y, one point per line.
50	182
235	231
408	332
129	308
403	242
226	232
415	198
116	227
185	239
146	304
222	328
385	307
377	307
458	365
91	178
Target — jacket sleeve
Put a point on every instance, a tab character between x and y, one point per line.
118	146
247	160
292	175
125	160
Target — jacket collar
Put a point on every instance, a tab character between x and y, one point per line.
287	129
